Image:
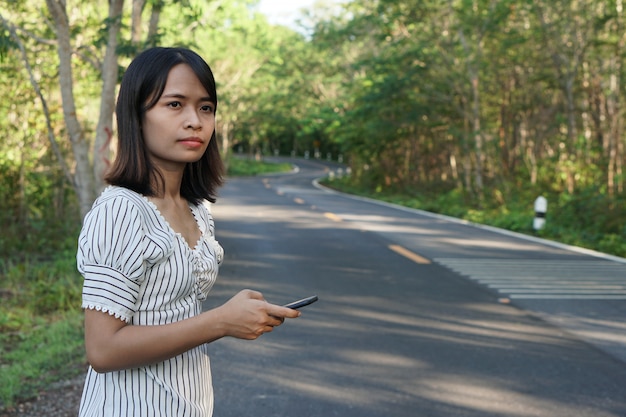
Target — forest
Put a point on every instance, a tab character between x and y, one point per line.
471	108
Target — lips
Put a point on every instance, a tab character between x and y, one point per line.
192	142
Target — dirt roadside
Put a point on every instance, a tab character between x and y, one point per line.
61	400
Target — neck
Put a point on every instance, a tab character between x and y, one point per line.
169	188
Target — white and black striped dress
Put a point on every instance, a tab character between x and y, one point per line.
138	269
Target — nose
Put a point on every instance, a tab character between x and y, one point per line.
193	120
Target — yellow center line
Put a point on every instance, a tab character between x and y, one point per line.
332	216
408	254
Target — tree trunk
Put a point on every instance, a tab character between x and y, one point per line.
153	26
138	5
474	114
83	183
478	138
615	162
104	131
225	145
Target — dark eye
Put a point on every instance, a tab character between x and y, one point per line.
174	104
207	109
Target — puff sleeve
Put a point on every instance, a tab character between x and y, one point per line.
110	257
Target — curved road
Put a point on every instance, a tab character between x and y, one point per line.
419	315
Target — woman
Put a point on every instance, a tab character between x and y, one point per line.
148	254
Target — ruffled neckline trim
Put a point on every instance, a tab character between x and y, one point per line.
206	254
173	232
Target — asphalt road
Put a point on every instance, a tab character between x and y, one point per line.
419	315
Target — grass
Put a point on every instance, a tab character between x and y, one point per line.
41	327
238	167
50	351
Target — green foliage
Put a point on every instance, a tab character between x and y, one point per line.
40	324
41	287
49	352
248	167
57	288
38	218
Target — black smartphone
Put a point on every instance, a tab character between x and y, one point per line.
301	303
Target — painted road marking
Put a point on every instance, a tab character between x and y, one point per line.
332	217
410	255
545	279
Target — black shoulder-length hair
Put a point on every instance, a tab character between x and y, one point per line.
142	86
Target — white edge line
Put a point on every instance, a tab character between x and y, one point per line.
535	239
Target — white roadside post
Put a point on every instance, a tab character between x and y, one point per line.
541	206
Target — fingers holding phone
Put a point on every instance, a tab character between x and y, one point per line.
301	303
282	313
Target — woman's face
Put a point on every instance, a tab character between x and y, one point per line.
178	128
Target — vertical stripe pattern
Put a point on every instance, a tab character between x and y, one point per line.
137	268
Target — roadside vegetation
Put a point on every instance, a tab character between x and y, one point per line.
238	166
588	219
41	336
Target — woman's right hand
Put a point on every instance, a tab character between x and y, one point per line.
248	316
